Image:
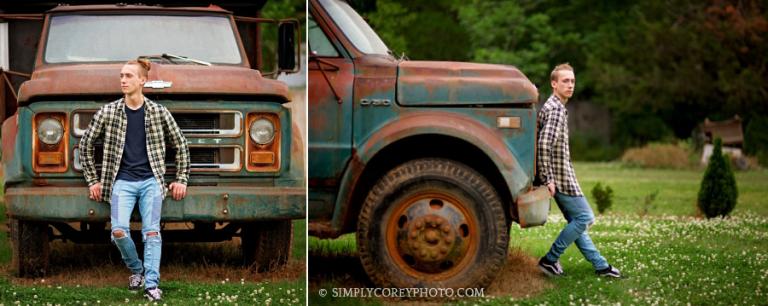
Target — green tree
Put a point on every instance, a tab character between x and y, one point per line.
718	192
420	29
391	32
505	33
682	61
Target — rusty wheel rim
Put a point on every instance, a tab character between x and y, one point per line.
432	235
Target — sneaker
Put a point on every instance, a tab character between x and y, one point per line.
153	294
550	268
135	282
609	272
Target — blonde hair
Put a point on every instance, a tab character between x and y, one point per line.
558	68
143	64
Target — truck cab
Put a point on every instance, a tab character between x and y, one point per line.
246	177
424	160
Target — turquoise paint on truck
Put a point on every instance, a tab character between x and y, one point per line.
241	203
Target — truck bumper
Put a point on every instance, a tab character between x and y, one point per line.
219	203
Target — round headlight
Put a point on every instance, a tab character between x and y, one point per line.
262	131
50	131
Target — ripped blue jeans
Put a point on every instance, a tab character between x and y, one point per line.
580	217
149	195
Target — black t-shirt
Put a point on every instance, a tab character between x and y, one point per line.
135	163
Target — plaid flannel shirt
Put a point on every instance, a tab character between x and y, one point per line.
554	156
110	122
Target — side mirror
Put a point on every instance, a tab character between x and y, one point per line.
288	46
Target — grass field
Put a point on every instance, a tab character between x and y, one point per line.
192	274
668	254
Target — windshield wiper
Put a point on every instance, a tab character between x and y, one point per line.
184	58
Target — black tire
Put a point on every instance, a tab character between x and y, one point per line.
266	246
433	223
30	249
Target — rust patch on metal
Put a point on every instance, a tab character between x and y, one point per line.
40	182
10	130
337	81
446	123
122	8
35	17
88	79
297	148
322	230
346	192
456	83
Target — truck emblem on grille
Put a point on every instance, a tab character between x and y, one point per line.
158	84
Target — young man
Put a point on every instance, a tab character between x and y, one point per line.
134	130
556	172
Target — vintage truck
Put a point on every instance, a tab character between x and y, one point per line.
425	161
247	176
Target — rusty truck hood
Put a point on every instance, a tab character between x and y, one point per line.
454	83
188	80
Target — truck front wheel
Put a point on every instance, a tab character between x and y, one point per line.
29	248
432	223
266	246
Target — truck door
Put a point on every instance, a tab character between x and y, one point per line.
331	76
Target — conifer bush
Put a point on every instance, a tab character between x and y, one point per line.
603	197
718	192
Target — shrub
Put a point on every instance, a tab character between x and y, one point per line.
603	197
718	193
658	155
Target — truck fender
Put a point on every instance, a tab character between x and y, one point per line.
486	138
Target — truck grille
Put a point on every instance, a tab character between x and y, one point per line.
220	158
197	122
192	123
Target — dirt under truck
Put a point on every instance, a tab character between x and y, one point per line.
210	68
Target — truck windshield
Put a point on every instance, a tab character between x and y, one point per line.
354	27
110	38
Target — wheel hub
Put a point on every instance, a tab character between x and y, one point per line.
432	234
430	239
